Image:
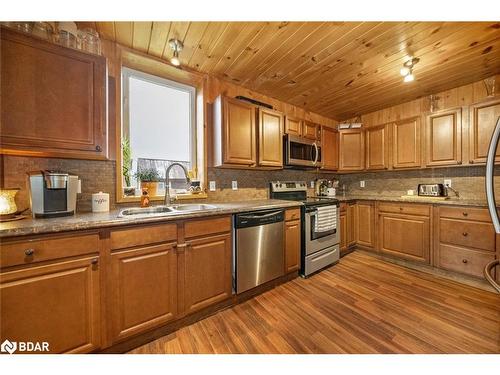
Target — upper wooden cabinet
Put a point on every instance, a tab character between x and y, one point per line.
293	126
53	99
483	118
310	130
406	143
329	148
270	138
443	135
234	132
377	147
352	150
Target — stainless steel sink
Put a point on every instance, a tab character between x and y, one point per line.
164	210
193	207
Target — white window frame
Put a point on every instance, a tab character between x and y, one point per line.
127	73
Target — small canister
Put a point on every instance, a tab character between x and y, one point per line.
100	202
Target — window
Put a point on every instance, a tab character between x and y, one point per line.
158	129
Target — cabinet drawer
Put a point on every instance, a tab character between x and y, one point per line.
47	248
143	235
477	235
292	214
462	260
195	228
409	209
465	213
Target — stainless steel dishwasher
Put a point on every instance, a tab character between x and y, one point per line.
258	249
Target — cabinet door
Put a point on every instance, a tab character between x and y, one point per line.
239	132
377	147
406	144
330	148
365	228
343	231
351	218
405	236
484	117
53	99
270	138
310	130
292	246
351	150
444	138
207	271
293	126
57	303
142	289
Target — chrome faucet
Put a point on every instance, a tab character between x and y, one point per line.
167	180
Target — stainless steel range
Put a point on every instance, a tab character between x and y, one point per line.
320	225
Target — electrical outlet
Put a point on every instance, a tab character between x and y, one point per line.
211	185
234	185
311	185
362	183
447	183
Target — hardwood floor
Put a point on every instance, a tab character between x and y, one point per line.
361	305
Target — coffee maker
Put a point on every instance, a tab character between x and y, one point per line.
52	193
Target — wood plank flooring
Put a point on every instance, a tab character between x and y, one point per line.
361	305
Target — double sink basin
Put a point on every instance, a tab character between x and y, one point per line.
165	210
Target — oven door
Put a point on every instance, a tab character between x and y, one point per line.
316	241
301	152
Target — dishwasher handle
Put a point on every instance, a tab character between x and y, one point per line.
253	219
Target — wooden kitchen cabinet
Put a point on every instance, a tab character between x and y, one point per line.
310	130
53	99
406	143
292	240
365	224
347	226
443	135
329	148
404	231
293	126
351	150
483	118
270	149
234	132
59	303
377	147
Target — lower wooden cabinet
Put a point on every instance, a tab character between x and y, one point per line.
404	235
365	224
292	245
58	303
142	289
347	226
207	271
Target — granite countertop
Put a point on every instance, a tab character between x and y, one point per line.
416	199
91	220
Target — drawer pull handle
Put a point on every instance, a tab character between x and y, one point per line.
401	208
94	261
465	214
464	261
29	252
465	234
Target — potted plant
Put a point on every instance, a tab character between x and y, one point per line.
128	190
149	179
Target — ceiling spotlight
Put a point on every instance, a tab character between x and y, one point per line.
407	69
176	46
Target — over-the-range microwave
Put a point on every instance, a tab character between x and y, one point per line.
301	152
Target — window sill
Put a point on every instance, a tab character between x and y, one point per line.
175	198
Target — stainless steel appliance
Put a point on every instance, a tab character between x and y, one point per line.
490	196
301	152
259	248
320	245
52	193
432	190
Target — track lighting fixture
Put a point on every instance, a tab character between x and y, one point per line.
407	69
176	46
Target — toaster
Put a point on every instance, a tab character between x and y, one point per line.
432	190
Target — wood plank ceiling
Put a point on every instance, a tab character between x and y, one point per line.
337	69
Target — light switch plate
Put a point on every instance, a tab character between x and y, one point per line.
447	183
211	185
234	185
362	183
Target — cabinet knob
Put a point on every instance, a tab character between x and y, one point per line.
459	162
465	214
464	261
94	261
471	161
29	252
400	208
98	148
465	234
